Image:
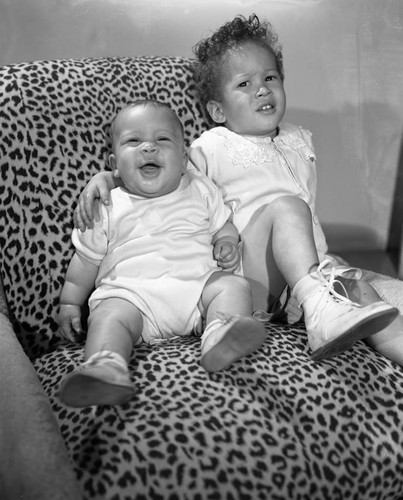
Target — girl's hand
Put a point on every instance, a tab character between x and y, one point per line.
69	320
99	186
227	255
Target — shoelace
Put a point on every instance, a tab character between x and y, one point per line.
327	277
353	273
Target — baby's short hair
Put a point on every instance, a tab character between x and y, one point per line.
206	70
143	102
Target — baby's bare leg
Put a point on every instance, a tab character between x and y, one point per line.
227	294
230	332
114	325
278	248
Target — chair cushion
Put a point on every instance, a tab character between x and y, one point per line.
276	425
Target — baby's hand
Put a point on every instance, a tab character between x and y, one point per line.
227	255
69	320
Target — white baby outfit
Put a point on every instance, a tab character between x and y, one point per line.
157	252
253	171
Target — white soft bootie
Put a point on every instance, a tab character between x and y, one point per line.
102	380
333	322
225	340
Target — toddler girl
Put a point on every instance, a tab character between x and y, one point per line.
266	172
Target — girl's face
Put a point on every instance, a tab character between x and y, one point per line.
252	94
149	154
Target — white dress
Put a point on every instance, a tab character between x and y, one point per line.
252	171
157	252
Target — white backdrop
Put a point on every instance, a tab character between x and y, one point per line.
344	81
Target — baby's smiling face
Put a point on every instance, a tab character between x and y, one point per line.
148	150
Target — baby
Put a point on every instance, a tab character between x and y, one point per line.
154	257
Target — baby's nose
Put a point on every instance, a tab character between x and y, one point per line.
149	147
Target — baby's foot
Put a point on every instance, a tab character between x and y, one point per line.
102	380
227	340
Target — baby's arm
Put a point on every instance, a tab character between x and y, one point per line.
98	186
226	247
80	279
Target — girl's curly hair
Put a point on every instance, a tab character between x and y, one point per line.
207	67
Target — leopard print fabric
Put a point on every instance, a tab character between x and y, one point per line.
275	426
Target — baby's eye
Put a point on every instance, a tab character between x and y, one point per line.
163	139
243	84
270	78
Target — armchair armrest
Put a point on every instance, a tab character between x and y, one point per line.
34	463
3	302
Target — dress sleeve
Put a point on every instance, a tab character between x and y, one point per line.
219	212
203	154
197	157
309	149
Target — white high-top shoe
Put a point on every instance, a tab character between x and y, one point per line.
333	322
226	340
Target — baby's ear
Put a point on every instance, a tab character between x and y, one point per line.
112	165
215	111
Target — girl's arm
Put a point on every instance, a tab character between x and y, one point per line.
99	186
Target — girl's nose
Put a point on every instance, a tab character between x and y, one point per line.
262	91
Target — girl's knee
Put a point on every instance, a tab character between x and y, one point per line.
282	207
290	203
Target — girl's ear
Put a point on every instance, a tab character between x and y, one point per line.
112	165
215	111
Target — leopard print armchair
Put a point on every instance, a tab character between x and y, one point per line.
276	425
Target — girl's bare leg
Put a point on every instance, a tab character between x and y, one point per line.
332	325
388	341
278	248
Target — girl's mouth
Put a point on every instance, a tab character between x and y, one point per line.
266	107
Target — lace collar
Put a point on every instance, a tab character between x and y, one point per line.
255	150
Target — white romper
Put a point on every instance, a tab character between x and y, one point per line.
157	252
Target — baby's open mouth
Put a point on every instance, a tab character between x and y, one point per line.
150	169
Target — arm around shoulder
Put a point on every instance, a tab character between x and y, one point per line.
97	188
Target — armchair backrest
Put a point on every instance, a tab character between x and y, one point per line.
54	119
